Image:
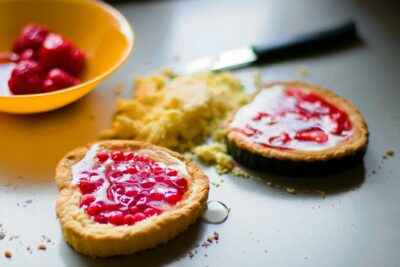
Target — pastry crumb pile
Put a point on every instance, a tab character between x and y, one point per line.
180	112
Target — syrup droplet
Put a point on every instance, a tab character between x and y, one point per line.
216	212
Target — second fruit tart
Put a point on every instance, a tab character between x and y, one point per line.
297	128
120	197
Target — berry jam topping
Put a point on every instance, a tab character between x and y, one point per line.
292	118
124	187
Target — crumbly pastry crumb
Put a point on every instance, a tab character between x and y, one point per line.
42	247
119	89
258	80
177	112
321	193
389	153
2	235
8	254
290	190
303	70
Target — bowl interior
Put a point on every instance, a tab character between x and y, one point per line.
98	30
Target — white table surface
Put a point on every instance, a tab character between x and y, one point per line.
357	224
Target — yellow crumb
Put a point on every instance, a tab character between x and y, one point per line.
119	88
8	254
321	193
177	112
290	190
215	153
258	81
303	70
42	247
390	153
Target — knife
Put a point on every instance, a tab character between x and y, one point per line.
291	46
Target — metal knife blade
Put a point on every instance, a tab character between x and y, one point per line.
309	42
227	60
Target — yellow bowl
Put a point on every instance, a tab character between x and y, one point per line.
98	29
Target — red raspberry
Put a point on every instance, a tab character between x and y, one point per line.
26	78
28	54
312	135
58	52
32	36
57	79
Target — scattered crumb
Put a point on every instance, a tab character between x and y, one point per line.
2	235
8	254
321	193
13	237
290	190
216	184
46	238
191	255
258	78
28	248
42	247
9	184
216	236
303	70
205	244
389	153
29	201
119	89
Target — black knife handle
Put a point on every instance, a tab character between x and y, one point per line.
308	42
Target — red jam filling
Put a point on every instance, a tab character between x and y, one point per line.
292	118
122	188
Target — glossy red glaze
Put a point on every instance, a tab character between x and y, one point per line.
303	116
123	188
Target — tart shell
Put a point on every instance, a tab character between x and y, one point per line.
296	162
102	240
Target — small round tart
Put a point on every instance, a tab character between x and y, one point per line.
120	197
296	128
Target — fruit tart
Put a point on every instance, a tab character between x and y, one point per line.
298	129
120	197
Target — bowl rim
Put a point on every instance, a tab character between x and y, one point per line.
124	27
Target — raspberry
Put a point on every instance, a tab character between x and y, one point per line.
32	37
57	79
116	218
139	217
58	52
28	54
312	135
26	78
129	219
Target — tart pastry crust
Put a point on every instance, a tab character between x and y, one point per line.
94	239
340	156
